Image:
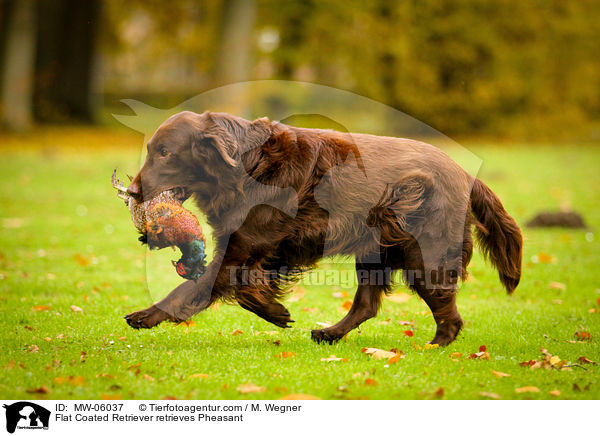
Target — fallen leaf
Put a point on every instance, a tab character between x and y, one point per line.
28	327
199	376
299	397
582	335
41	390
431	346
236	332
81	259
186	324
555	393
500	374
482	348
455	355
544	258
584	359
490	395
70	380
557	285
285	354
40	308
376	353
33	348
332	358
402	322
484	355
111	396
408	333
371	382
439	393
324	324
297	294
309	309
399	355
525	389
148	377
398	297
347	305
76	309
250	388
342	294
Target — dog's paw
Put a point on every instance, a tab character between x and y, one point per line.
323	335
279	315
146	319
447	332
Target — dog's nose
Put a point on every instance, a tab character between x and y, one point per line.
135	189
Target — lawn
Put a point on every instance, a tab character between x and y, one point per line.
71	267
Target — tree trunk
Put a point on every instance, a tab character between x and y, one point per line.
233	58
64	65
18	65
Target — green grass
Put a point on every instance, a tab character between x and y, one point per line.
58	212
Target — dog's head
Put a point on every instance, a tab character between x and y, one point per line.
190	150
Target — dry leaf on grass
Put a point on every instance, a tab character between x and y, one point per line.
332	358
490	395
582	335
285	354
250	388
500	374
408	333
299	397
72	380
555	393
584	359
81	259
347	305
41	390
111	396
40	308
186	324
199	376
455	355
324	324
237	332
557	285
371	382
376	353
76	309
398	297
298	293
526	389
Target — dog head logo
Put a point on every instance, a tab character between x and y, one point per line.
26	415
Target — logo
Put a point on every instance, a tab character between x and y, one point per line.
26	415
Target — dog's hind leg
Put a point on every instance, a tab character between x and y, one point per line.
437	287
373	280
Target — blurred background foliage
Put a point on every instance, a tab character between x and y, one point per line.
469	68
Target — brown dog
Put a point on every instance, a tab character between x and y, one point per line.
279	198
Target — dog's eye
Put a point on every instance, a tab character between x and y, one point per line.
163	151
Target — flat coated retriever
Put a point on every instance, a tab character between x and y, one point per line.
279	198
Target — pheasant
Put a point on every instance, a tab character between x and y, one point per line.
164	222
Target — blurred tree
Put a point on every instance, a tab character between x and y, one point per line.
18	64
235	47
65	60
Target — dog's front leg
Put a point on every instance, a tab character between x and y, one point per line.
186	299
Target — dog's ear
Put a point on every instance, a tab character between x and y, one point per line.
232	136
219	141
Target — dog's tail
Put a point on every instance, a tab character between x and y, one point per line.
498	235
